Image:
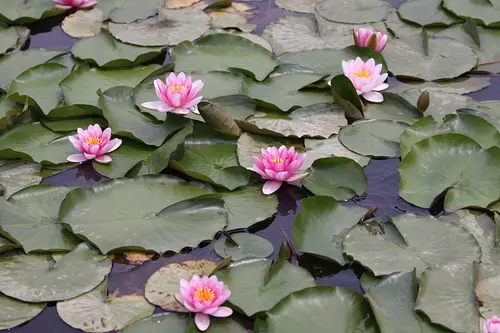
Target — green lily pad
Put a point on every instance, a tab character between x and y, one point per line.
249	246
39	87
395	108
38	278
454	283
282	91
338	177
211	157
164	284
355	11
22	11
250	36
318	309
301	6
30	217
172	27
14	312
131	214
428	242
472	126
489	110
225	20
8	109
95	311
266	284
105	51
222	52
427	13
487	293
453	166
441	103
83	23
317	149
7	245
462	85
446	59
13	64
15	176
399	28
12	38
70	124
483	11
122	11
373	137
321	226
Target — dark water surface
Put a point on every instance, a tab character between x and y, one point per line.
383	182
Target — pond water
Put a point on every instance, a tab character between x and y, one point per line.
382	191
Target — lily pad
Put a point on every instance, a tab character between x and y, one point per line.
395	108
446	59
428	242
15	176
222	52
252	37
338	177
373	137
427	13
487	294
441	103
164	284
462	85
282	91
321	226
7	245
318	309
22	11
123	11
300	6
95	311
30	217
14	312
83	23
483	11
38	278
266	285
172	27
355	11
70	124
331	147
453	166
249	246
105	51
39	87
224	20
12	38
138	218
8	109
472	126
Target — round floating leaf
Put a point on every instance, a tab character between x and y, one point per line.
489	110
394	108
483	11
441	103
174	4
472	126
453	166
455	284
38	278
12	38
14	312
426	13
83	23
224	52
265	284
338	177
105	51
8	109
428	242
172	27
69	125
321	226
131	213
318	309
223	20
331	147
487	293
7	245
95	311
249	246
252	37
30	217
355	11
317	120
123	11
39	85
462	85
282	91
446	58
373	137
15	176
164	284
211	157
301	6
13	64
22	11
36	142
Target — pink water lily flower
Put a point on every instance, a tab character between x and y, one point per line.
178	95
66	4
362	36
492	325
278	166
94	144
366	78
204	296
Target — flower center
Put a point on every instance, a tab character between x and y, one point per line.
94	140
204	294
278	160
363	73
176	88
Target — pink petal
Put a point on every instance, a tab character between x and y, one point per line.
380	87
193	102
76	143
296	178
180	111
104	159
202	321
77	158
271	186
223	311
157	105
89	156
373	96
112	145
88	4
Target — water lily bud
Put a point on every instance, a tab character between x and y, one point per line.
423	102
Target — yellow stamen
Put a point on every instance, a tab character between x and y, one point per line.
176	88
204	294
278	160
363	73
93	140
